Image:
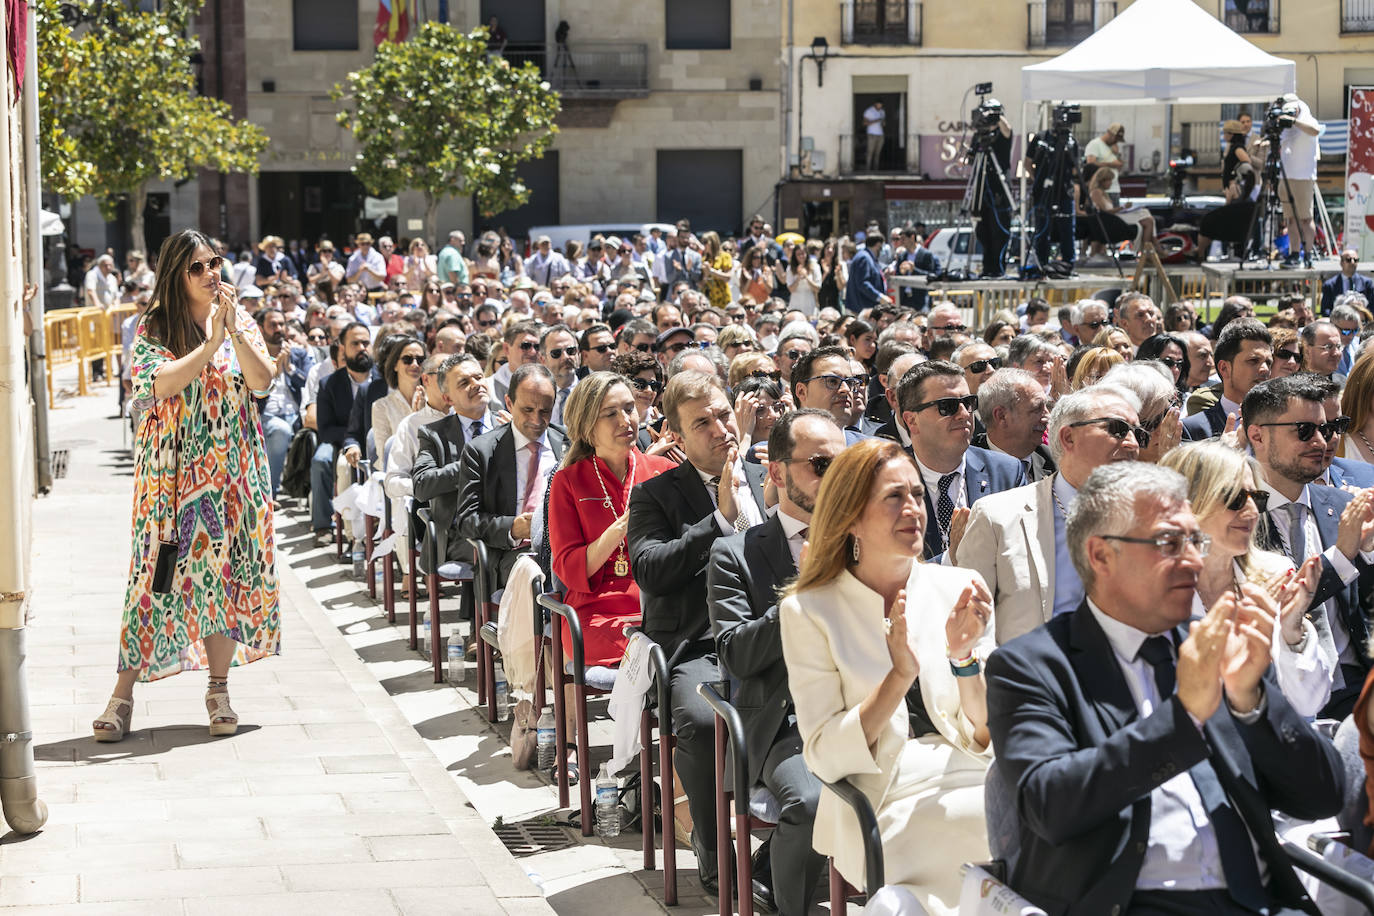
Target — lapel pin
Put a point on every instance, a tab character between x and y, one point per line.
982	484
1330	511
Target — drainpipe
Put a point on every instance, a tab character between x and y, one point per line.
33	264
19	801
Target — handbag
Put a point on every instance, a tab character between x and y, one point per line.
168	547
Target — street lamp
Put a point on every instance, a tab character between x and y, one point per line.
820	50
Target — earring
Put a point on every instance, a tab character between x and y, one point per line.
855	551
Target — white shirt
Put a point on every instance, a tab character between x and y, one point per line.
793	529
405	445
544	270
104	285
313	380
374	261
1299	149
956	491
1182	852
873	121
1068	588
1099	150
744	499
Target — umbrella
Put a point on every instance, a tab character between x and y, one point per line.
796	238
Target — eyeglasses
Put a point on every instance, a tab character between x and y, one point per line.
410	359
1346	332
819	463
1170	361
603	348
1096	325
196	268
642	384
1170	546
466	297
952	328
1306	429
560	352
490	323
1118	428
948	407
795	355
1236	501
529	346
1349	260
979	366
1284	353
1329	348
317	338
833	382
644	347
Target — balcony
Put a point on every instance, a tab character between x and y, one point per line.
589	69
1060	23
1204	139
1253	17
1357	15
899	154
881	22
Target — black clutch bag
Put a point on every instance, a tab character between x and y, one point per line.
165	567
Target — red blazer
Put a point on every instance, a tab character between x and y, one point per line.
605	602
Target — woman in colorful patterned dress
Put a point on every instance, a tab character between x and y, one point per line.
198	362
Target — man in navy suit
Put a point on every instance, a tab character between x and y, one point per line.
866	287
1244	356
1144	757
333	406
1285	426
1347	281
938	412
824	379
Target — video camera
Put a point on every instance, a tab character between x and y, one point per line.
1066	115
1280	116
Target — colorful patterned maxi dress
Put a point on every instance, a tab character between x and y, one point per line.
225	578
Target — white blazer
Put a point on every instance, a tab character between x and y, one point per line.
1009	541
836	652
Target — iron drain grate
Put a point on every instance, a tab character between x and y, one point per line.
59	463
531	839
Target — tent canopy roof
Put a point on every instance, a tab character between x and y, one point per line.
1160	51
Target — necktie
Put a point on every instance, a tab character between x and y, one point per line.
1297	536
476	429
741	517
562	399
1233	840
1026	469
944	507
531	479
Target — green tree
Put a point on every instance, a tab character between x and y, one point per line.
439	115
118	106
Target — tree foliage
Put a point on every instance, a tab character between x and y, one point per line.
439	115
118	105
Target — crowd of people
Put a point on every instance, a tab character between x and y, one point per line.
1071	587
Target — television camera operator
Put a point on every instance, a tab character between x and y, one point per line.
1053	163
1298	131
992	136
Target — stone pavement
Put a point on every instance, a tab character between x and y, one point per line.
327	800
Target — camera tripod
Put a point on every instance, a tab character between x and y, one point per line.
1266	221
562	64
984	164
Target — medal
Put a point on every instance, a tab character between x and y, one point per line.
621	567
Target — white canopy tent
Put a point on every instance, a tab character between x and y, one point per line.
1160	51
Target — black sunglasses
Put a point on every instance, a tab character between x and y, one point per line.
560	352
948	407
196	268
529	346
642	383
412	360
1096	325
1170	361
603	348
1306	429
979	366
644	348
1350	260
795	355
952	329
486	324
1236	501
1118	428
1285	354
819	463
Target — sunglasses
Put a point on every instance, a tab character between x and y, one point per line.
644	348
1170	361
1285	354
1118	428
1350	260
759	373
196	268
1096	325
948	407
411	359
819	463
560	352
795	355
951	329
1306	429
979	366
1236	501
317	338
1346	332
649	384
833	382
486	324
603	348
529	346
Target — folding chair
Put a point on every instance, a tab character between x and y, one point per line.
841	890
453	572
484	628
662	715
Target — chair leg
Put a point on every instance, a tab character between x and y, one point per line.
724	873
744	863
584	781
666	742
414	583
646	787
370	567
560	730
389	588
338	537
489	665
540	686
836	889
479	617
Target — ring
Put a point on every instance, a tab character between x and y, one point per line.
887	624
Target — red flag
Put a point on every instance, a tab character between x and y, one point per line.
392	21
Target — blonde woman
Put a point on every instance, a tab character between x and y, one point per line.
1094	364
1115	339
1226	496
716	268
867	670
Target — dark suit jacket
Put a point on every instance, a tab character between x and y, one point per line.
436	476
334	406
360	415
742	581
671	530
1333	287
1351	472
1041	456
488	497
1080	763
985	473
1205	424
866	282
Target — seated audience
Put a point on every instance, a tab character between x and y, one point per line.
1244	354
1016	414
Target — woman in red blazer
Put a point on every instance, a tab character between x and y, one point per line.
589	500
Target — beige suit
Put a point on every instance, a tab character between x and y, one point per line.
1009	541
927	792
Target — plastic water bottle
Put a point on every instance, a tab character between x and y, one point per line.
424	643
546	739
457	658
359	561
501	692
607	805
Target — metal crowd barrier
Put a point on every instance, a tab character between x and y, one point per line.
83	337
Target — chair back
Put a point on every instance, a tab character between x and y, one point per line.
999	806
1356	803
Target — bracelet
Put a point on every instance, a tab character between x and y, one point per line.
970	669
963	660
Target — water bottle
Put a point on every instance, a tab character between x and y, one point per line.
424	642
607	805
457	658
359	560
501	692
546	739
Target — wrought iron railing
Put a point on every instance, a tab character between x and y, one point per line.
1252	17
880	22
1357	15
588	68
1056	23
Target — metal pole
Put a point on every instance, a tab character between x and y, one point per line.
219	93
33	264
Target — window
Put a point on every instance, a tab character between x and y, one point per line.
705	186
324	25
697	25
1252	16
